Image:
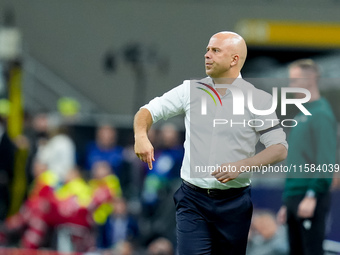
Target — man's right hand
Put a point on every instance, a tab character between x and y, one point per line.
144	150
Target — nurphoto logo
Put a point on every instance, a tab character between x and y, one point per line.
238	100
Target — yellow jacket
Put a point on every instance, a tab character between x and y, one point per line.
104	211
76	187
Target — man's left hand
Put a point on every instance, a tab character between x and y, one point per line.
307	207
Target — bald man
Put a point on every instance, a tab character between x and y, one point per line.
213	205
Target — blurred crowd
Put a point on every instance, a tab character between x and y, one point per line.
95	198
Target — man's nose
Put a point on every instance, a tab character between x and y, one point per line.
207	54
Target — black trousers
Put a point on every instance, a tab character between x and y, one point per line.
208	225
306	236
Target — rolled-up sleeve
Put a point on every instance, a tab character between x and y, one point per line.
275	136
170	104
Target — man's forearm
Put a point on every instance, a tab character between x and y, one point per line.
271	155
143	148
142	122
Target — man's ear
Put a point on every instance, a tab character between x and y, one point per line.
235	59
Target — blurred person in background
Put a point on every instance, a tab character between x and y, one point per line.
7	150
59	151
105	148
120	226
162	182
160	246
74	186
103	177
29	216
124	248
48	207
36	131
85	206
306	195
266	237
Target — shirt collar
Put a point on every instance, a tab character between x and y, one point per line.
210	81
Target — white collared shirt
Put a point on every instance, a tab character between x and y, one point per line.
207	145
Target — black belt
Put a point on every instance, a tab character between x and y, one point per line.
216	192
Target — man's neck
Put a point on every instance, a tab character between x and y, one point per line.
314	98
225	80
315	94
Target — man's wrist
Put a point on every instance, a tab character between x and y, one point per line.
141	135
